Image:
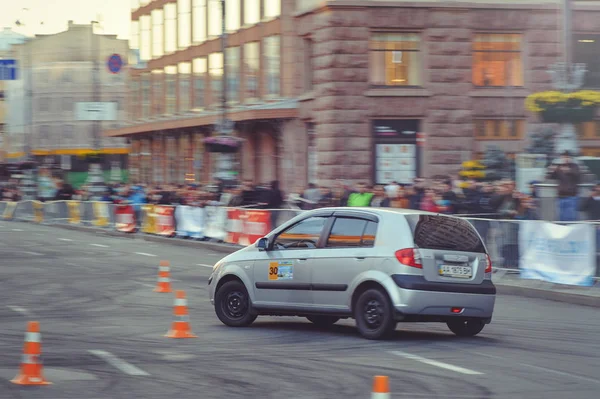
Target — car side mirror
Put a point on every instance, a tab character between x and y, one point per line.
263	244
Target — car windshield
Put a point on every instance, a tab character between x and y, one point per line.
444	233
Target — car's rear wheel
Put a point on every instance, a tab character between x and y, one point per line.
232	305
466	328
323	321
373	314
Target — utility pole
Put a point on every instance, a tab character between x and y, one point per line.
95	173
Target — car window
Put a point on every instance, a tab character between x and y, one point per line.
445	233
303	235
351	232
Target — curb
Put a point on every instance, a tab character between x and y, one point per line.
557	296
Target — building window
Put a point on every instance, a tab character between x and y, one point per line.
588	130
67	134
158	93
251	69
134	94
185	69
585	50
184	23
170	14
308	66
396	150
146	96
499	129
232	63
395	59
215	70
157	34
43	104
497	60
200	70
145	38
134	39
171	94
43	136
233	15
272	65
135	4
199	21
214	19
251	12
272	8
312	163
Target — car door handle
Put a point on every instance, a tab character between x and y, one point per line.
360	258
302	259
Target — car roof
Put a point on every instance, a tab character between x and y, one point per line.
374	210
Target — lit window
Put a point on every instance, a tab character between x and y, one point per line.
585	50
251	12
272	65
497	60
135	4
251	69
499	129
395	59
233	15
199	21
170	14
215	70
146	95
134	40
272	8
145	38
214	19
158	93
185	69
157	34
232	63
184	23
200	70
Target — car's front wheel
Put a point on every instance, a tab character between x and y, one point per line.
323	321
466	328
232	305
374	315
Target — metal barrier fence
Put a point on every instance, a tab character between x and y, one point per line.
232	225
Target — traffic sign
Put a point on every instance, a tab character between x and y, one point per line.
115	63
8	69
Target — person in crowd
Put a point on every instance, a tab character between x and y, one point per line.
65	192
399	199
361	197
568	176
274	201
46	186
313	195
380	198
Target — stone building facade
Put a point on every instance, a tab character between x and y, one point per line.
389	90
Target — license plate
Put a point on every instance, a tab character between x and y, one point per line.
456	271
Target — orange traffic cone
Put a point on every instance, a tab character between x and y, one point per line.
31	366
164	279
381	387
181	326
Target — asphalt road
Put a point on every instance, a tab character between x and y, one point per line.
94	293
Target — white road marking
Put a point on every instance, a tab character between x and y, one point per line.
119	364
146	285
18	309
435	363
33	253
544	369
99	245
17	229
205	265
65	239
144	254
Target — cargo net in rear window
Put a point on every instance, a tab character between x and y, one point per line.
445	233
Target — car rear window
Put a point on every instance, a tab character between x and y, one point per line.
445	233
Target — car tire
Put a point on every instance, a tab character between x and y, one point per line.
323	321
465	328
233	306
374	316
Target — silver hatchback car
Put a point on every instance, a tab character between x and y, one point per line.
379	266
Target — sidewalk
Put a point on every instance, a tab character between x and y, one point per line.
506	281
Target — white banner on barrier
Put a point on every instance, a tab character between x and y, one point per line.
190	221
558	254
215	222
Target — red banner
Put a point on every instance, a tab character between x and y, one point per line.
125	219
165	220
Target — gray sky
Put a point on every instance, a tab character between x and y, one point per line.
115	15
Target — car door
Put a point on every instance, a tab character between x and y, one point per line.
282	273
348	251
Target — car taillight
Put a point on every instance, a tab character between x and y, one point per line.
409	257
488	267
